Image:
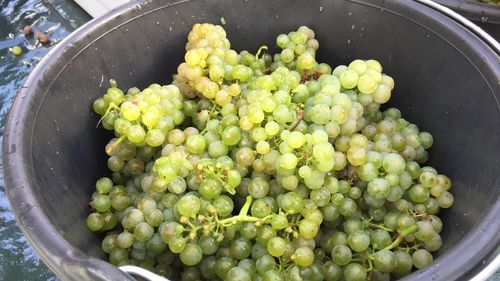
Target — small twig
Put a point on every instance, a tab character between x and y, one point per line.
56	124
112	147
294	125
260	51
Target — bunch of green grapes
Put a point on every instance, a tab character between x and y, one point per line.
491	2
259	167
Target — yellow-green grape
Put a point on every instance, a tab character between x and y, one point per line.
17	51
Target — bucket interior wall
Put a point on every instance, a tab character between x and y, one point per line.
439	86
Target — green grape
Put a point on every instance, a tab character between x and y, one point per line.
241	248
156	244
349	79
276	246
208	245
233	178
258	251
354	272
100	106
272	275
176	244
153	217
196	144
258	187
288	161
380	239
320	197
265	263
404	261
405	221
445	200
104	185
279	222
264	234
115	164
308	229
118	255
260	208
146	203
418	193
292	202
358	241
136	134
191	255
238	274
224	205
101	203
305	172
130	111
210	188
306	61
341	254
143	231
303	256
231	135
378	188
331	271
176	186
393	163
436	223
434	243
95	221
188	205
109	243
385	261
367	84
421	258
357	155
287	55
248	265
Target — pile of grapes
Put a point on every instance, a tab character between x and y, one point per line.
491	2
259	167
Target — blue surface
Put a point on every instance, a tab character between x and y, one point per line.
59	18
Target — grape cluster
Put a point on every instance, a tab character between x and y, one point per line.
491	2
259	167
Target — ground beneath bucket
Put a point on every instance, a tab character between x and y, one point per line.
57	18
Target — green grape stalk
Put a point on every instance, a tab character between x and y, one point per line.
260	167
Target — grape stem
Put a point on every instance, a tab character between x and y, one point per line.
112	147
380	227
111	106
401	236
260	51
395	243
242	216
295	123
246	206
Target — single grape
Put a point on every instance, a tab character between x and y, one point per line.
385	261
238	274
341	254
358	241
191	255
354	272
421	258
276	246
303	256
